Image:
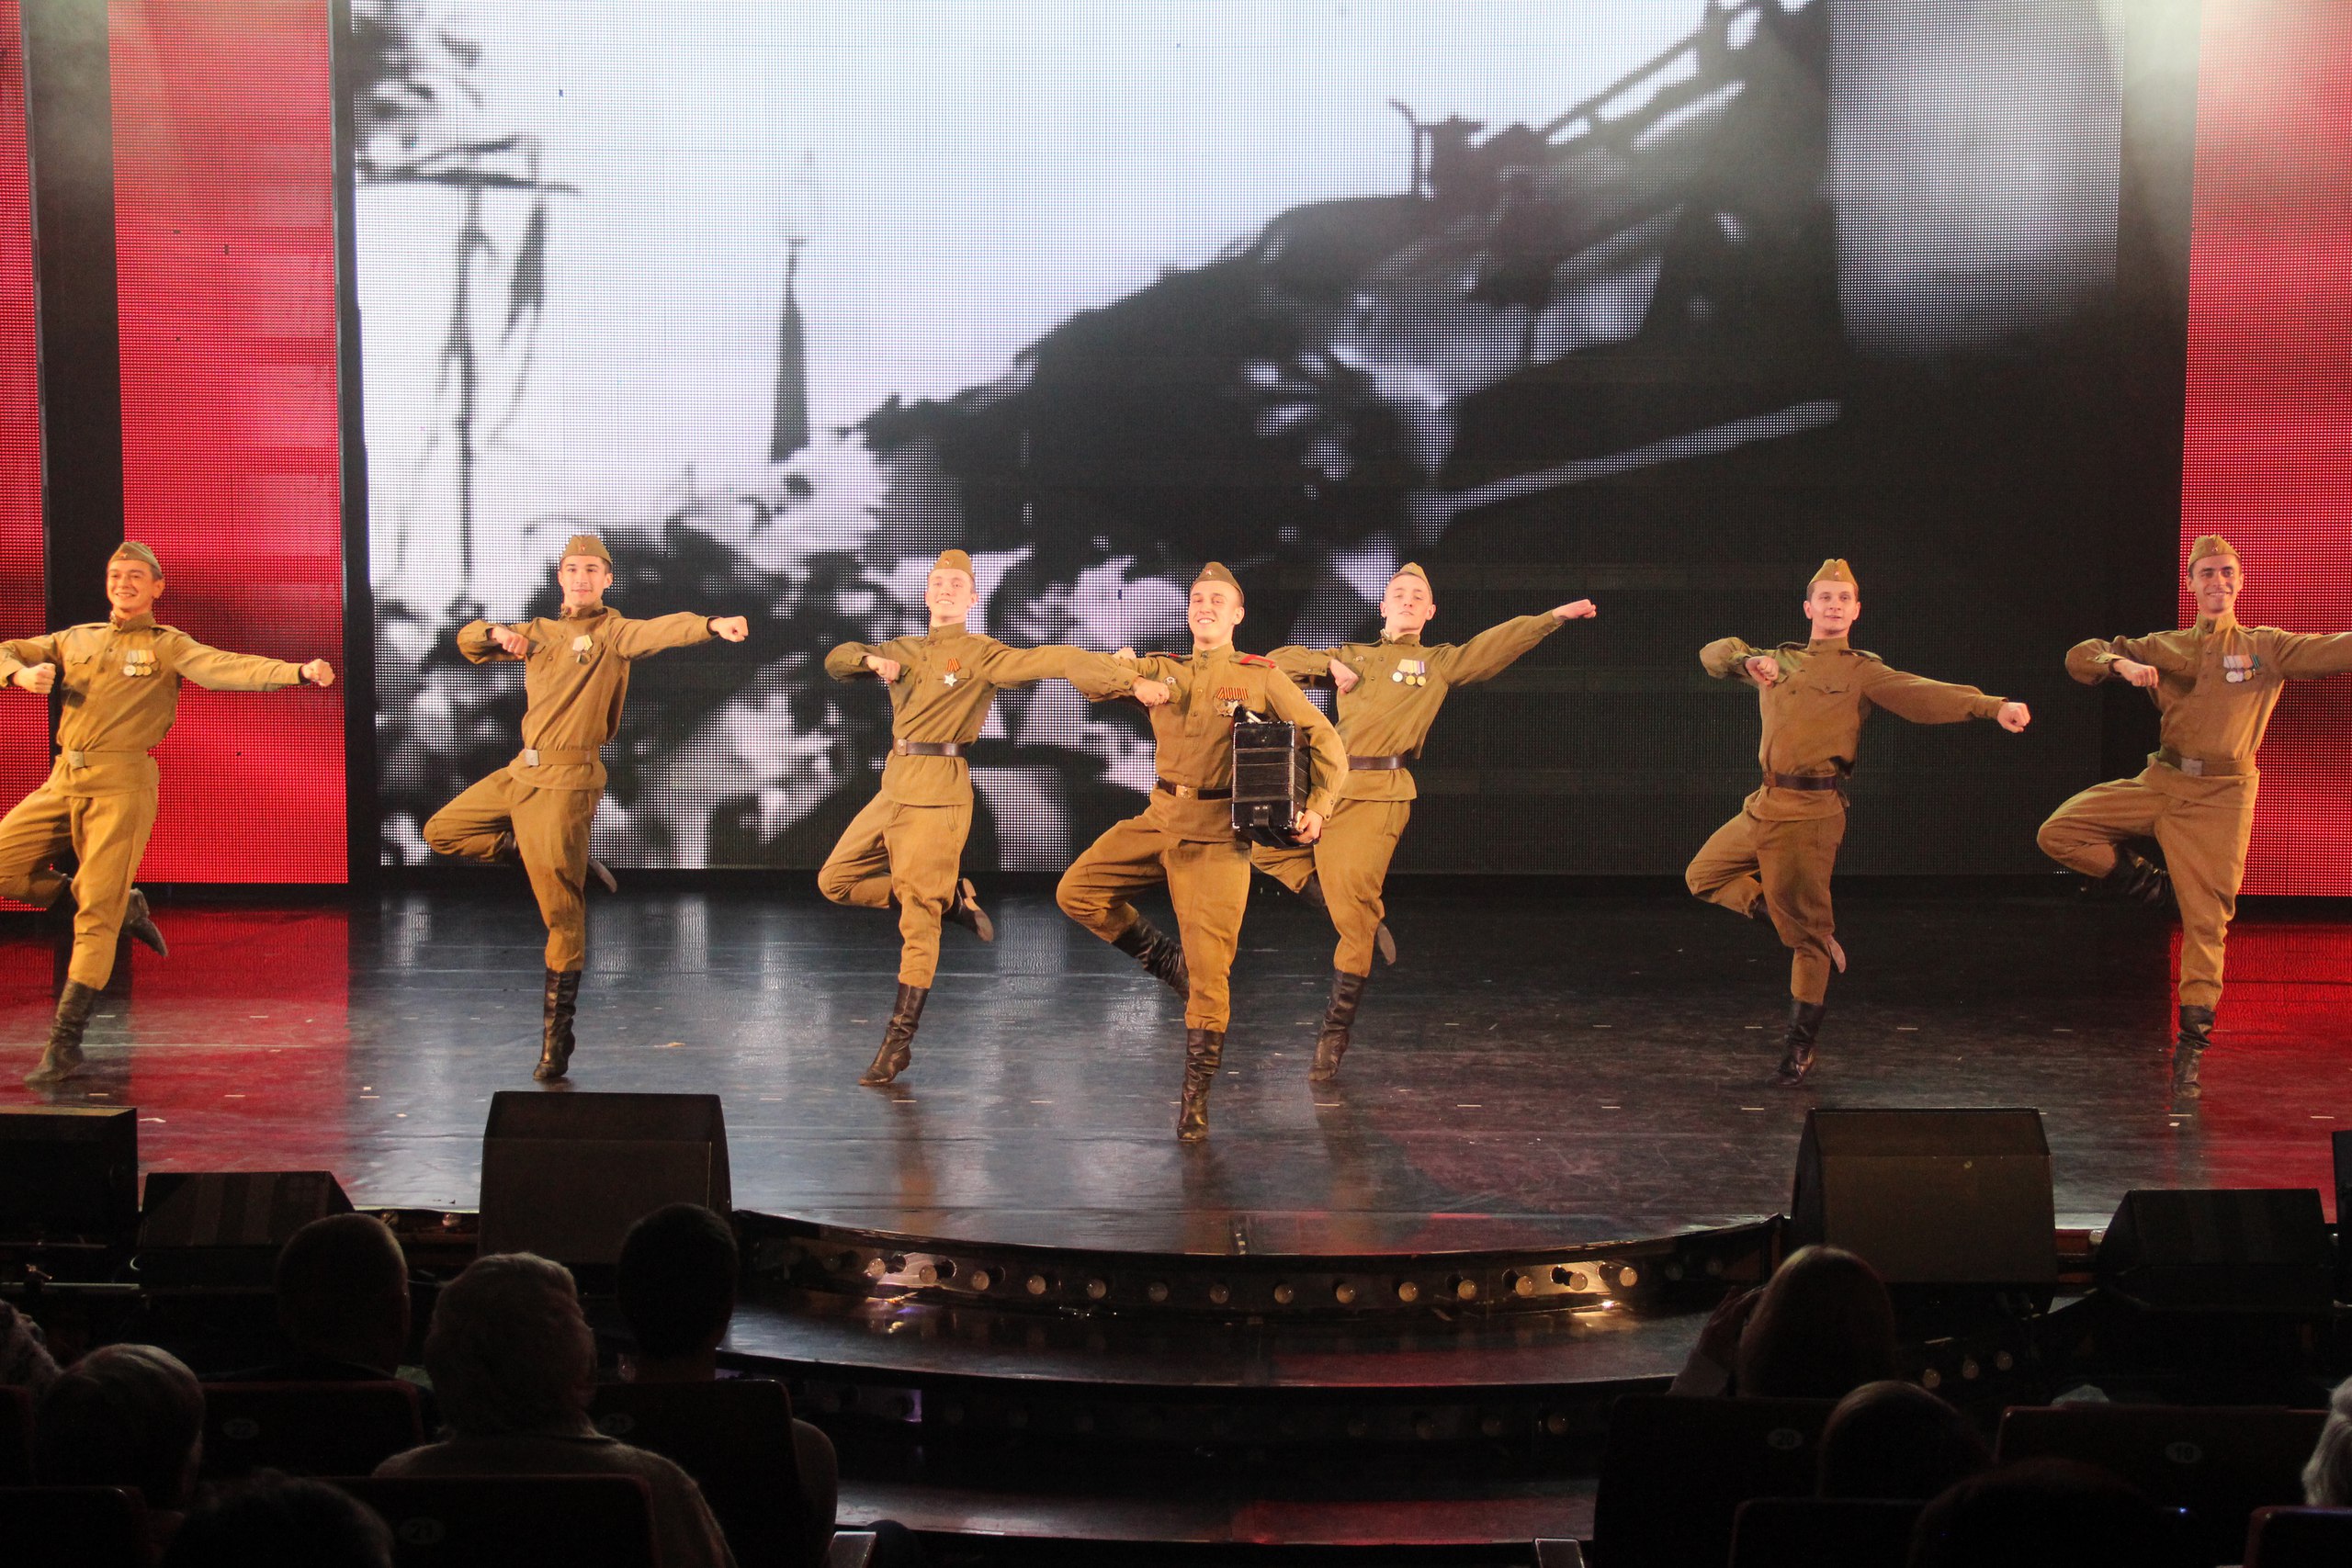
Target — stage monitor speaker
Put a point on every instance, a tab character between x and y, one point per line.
1930	1197
224	1227
2239	1249
68	1174
566	1175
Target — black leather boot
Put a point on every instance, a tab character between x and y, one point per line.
897	1050
1204	1049
1383	942
2188	1051
505	853
603	874
1151	947
138	925
1805	1021
2136	879
965	910
1346	991
63	1057
555	1032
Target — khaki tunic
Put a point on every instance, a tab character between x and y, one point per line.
908	844
2220	682
575	677
121	685
1400	686
1783	844
1188	842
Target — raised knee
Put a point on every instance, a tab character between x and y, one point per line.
438	838
835	885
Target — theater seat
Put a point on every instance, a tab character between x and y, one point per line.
1818	1533
1674	1472
2299	1538
307	1428
513	1521
735	1438
16	1436
2219	1463
89	1527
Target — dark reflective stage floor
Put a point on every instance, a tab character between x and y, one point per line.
1540	1067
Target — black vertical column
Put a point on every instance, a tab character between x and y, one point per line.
69	107
358	591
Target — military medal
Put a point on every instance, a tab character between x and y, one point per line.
2237	667
1230	698
1411	673
138	661
954	666
581	647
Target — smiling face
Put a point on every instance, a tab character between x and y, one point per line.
948	596
1213	611
585	580
132	586
2215	581
1832	607
1408	606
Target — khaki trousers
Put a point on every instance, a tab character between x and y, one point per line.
1208	883
109	833
550	828
1790	863
1350	860
912	853
2203	839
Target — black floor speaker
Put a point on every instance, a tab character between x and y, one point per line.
566	1175
2242	1249
68	1174
224	1227
1930	1197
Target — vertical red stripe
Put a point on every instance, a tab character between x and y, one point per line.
225	211
24	718
2268	437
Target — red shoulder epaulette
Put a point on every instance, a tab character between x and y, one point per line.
1260	660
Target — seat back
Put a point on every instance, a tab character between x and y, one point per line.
1814	1532
1674	1472
735	1438
2299	1538
506	1521
2219	1463
308	1429
16	1436
90	1527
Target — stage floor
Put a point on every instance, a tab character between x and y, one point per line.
1541	1069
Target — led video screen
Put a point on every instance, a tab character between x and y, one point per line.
1653	301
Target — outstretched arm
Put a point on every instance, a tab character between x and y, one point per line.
1308	666
218	672
2304	656
1732	658
1923	701
1497	649
1096	674
1330	755
634	639
30	662
2139	659
484	641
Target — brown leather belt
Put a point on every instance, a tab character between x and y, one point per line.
534	756
1186	792
2202	767
928	748
1807	781
1379	764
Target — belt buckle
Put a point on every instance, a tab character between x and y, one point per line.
75	760
530	756
2193	766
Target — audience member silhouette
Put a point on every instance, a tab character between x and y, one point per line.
25	1362
273	1520
513	1363
124	1416
1822	1326
2327	1478
343	1302
1896	1440
2045	1513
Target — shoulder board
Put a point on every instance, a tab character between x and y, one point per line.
1790	647
1176	658
1257	660
1866	653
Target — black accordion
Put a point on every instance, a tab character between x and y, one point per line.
1271	778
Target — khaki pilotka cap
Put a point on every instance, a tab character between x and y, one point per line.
1215	572
1834	569
953	561
2210	545
586	545
132	549
1411	568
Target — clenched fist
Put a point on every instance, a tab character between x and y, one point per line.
1153	694
319	672
731	629
2139	674
1763	669
1343	680
2013	718
1580	610
888	668
36	676
513	641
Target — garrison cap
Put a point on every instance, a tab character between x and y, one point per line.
1215	572
2210	545
586	545
1411	568
132	549
953	561
1834	569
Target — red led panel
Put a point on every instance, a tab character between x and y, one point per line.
2268	436
224	213
24	718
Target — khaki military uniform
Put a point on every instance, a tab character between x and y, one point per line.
2220	682
121	685
1783	844
1382	721
908	844
576	677
1185	838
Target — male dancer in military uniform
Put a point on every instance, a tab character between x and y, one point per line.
1389	694
907	845
1185	836
1774	859
538	809
122	679
2215	683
